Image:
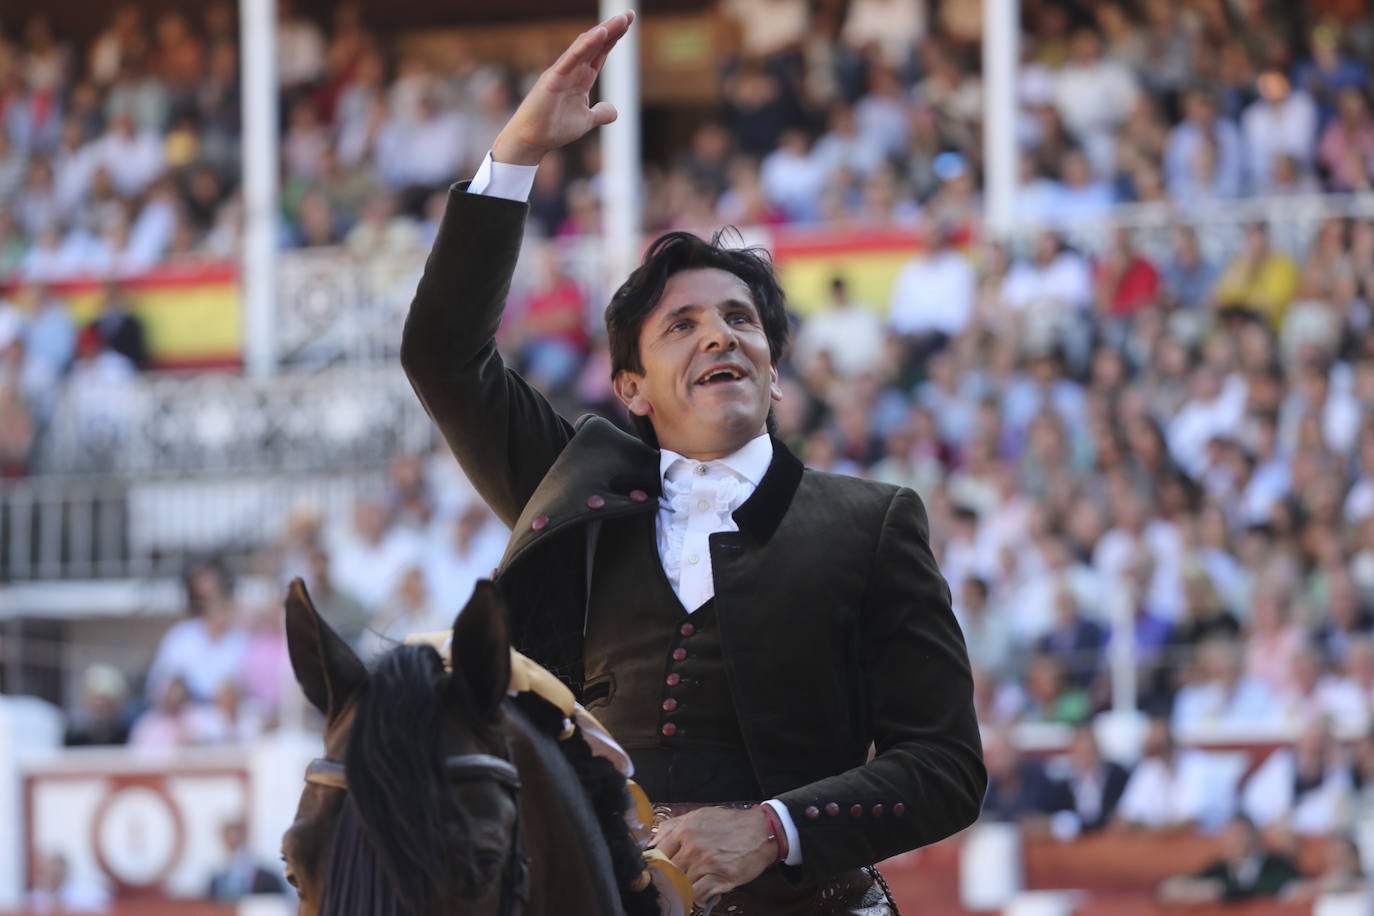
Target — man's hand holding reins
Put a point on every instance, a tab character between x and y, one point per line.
558	110
719	849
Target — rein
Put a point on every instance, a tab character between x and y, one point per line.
515	878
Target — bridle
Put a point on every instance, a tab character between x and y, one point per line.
463	768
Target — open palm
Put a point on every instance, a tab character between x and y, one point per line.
558	110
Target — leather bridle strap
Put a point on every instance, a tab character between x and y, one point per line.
515	880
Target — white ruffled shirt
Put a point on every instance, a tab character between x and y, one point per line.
698	500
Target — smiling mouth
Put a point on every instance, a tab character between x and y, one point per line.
721	375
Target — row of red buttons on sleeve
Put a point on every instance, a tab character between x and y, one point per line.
856	811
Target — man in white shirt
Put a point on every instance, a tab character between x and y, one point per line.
748	628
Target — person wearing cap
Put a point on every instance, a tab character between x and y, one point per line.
747	628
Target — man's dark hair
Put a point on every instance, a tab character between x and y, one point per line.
672	253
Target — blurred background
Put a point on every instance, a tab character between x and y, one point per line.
1117	337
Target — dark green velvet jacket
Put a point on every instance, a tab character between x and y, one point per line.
835	621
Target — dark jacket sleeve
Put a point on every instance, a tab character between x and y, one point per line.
926	780
503	432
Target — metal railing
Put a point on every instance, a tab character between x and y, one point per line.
67	529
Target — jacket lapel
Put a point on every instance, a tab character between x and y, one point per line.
601	473
762	512
605	473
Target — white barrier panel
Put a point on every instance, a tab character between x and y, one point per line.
990	866
278	772
137	824
1344	905
266	906
29	729
1042	903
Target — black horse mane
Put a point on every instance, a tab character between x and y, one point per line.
389	848
396	789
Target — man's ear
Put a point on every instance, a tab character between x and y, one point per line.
774	385
629	387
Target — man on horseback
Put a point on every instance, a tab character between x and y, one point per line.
747	628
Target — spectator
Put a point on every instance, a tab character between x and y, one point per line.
241	874
1125	280
549	335
932	297
103	717
467	547
227	719
300	48
1075	640
1274	640
119	327
367	561
1202	122
1345	152
1093	94
1188	278
847	332
1220	698
1342	873
1245	871
169	724
1302	789
1175	788
1283	121
989	638
1314	694
1088	788
1018	789
56	890
207	647
409	610
1258	280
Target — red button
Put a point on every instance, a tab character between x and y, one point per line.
596	501
686	629
638	495
679	654
540	523
674	679
877	810
668	729
669	704
832	809
812	812
899	809
856	810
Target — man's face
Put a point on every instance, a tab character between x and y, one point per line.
708	377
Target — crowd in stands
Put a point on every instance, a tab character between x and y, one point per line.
124	153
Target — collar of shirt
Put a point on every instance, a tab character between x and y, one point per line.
750	462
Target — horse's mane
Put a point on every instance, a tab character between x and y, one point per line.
391	830
397	792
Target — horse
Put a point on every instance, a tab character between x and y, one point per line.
438	794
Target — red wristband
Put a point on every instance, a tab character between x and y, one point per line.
775	831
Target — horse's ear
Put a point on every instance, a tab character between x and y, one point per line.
481	650
326	668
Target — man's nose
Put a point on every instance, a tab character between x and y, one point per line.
720	335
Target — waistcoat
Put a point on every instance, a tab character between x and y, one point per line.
655	674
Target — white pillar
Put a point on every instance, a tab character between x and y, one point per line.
620	174
1001	59
258	270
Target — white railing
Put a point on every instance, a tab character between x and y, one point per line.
344	417
63	529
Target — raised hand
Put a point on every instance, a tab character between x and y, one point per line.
558	109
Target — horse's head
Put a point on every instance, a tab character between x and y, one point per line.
413	808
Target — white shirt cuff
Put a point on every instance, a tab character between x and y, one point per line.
789	828
503	179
